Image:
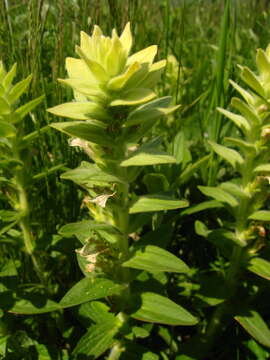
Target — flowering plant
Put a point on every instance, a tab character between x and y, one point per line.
113	113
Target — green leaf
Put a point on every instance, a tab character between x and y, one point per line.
6	129
201	229
150	111
232	156
90	130
255	326
192	168
251	79
97	311
261	215
9	77
4	107
159	309
83	230
23	110
260	267
156	203
134	97
18	89
155	259
219	195
244	93
234	189
79	111
148	154
205	205
180	149
263	63
247	148
85	86
3	345
156	183
96	69
88	172
238	120
118	82
97	340
263	168
34	304
89	289
248	111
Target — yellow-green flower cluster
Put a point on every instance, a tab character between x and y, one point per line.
106	76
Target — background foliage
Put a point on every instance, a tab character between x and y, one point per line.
204	41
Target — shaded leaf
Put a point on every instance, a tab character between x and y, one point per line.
156	203
89	289
159	309
260	267
254	324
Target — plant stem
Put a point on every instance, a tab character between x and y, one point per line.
24	209
115	352
222	313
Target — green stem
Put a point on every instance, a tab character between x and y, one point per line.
115	352
222	314
24	209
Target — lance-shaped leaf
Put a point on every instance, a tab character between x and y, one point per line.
151	111
25	109
244	93
118	82
248	111
159	309
263	64
134	97
246	147
262	168
34	304
156	203
232	156
205	205
153	77
6	129
146	55
155	259
96	69
18	89
90	130
234	189
219	195
89	289
238	120
126	38
84	229
252	80
115	58
148	154
261	215
6	82
4	107
192	168
79	111
260	267
254	324
85	87
97	339
88	172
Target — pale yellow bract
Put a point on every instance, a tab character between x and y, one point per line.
107	75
